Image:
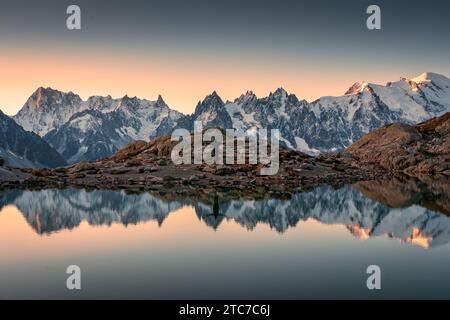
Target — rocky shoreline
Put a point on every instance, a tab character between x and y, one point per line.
297	172
394	150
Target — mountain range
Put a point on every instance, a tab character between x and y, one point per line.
88	130
96	128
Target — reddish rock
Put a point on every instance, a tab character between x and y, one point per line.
419	149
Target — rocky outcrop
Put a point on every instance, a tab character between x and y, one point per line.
423	149
148	166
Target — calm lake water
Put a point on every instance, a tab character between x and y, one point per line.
317	244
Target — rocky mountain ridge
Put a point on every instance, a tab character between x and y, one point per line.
20	148
96	128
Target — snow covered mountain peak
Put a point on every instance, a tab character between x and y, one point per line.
247	97
432	77
130	102
160	101
327	124
357	87
97	127
46	109
49	98
332	123
280	98
104	104
213	98
211	102
279	93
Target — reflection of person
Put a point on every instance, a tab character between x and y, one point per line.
216	206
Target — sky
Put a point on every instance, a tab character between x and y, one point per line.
184	50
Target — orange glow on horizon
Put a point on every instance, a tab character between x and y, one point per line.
182	81
19	241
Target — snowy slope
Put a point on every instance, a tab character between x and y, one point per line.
333	123
96	128
47	109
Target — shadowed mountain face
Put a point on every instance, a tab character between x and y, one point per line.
405	210
20	148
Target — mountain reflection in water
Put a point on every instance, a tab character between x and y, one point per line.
410	211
